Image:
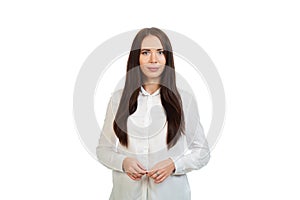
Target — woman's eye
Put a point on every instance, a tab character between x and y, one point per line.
145	53
160	52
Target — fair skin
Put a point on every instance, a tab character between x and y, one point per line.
152	64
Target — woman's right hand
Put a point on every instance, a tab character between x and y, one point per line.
133	168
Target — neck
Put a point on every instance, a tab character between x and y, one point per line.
151	87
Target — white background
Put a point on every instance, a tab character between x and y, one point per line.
255	46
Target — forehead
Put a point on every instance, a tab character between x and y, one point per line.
151	42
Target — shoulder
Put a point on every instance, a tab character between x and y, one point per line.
116	96
186	97
115	100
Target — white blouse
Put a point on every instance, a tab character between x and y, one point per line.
147	132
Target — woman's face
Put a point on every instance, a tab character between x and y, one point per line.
152	59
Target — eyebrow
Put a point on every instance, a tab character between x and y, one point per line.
149	49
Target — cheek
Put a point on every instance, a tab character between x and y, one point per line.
142	68
142	61
162	60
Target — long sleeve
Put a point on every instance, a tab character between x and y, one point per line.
106	150
196	154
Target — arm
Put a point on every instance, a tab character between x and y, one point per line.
197	152
108	154
107	148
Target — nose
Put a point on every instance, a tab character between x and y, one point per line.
153	58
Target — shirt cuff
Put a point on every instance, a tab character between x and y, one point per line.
119	163
178	166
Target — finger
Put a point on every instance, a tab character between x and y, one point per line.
160	178
138	175
155	175
133	176
130	176
152	172
139	171
141	167
132	172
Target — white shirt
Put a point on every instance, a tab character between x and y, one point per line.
147	131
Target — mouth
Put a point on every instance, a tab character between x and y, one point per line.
153	68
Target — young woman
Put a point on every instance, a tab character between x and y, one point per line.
152	134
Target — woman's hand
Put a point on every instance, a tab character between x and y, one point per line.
133	168
162	170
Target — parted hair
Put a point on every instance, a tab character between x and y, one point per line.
170	97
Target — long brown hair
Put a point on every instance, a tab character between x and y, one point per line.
170	97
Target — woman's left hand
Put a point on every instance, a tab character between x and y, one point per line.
162	170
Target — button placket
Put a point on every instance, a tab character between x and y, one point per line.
148	101
148	110
146	147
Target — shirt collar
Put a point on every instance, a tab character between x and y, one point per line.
144	92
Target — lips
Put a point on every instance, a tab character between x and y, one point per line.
152	68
